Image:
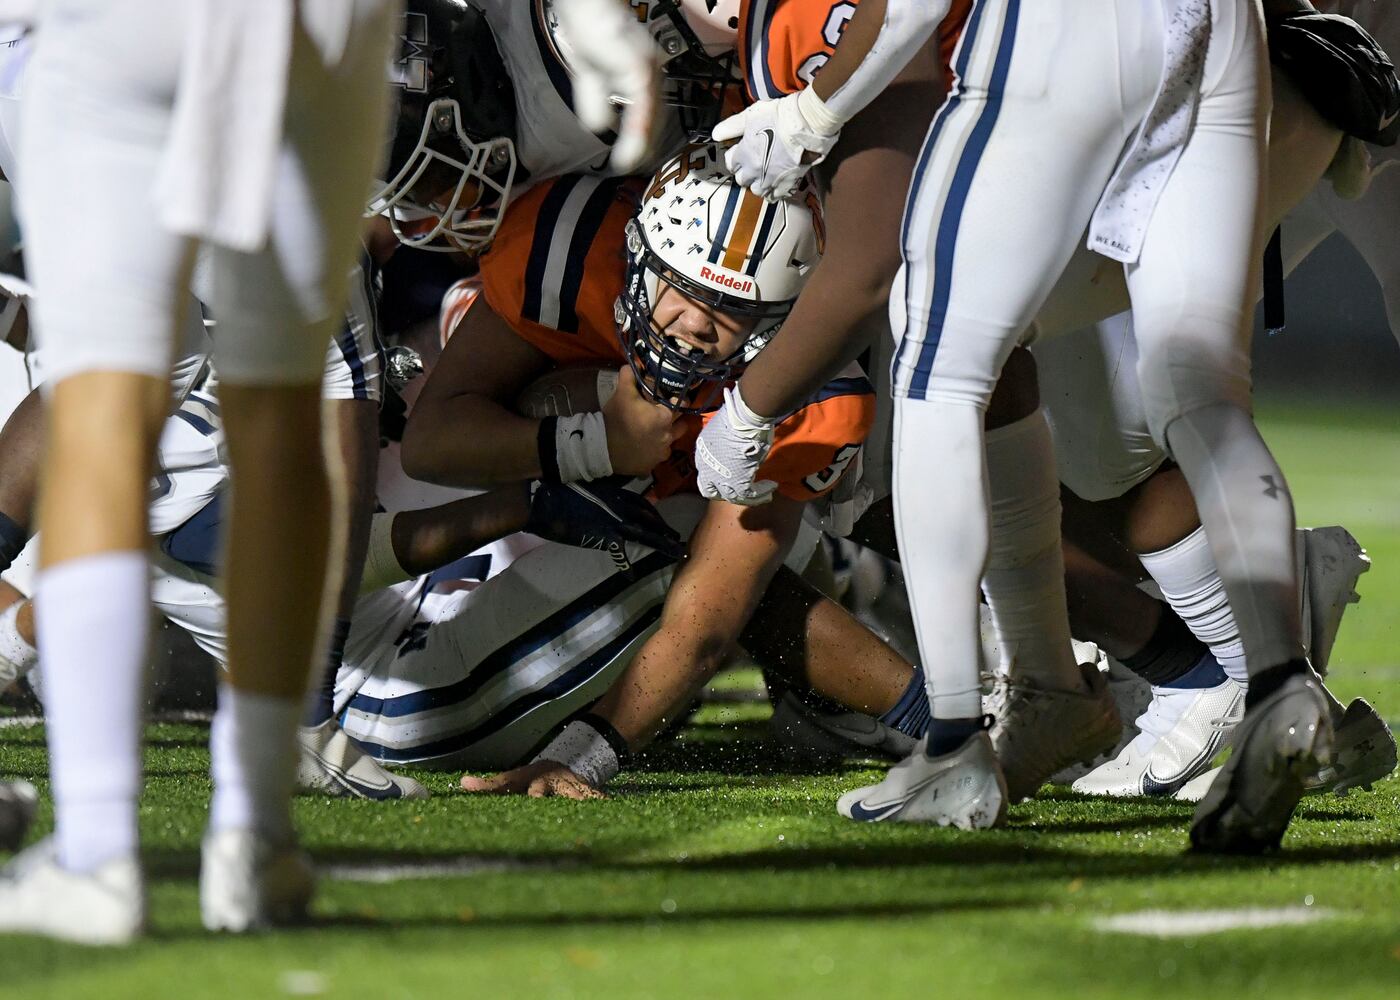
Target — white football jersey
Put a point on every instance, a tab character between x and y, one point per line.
550	140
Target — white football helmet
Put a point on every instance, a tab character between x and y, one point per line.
716	242
697	39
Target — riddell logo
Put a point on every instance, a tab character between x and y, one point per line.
728	281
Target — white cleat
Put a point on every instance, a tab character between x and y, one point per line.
1178	736
1330	561
106	906
19	803
246	882
1284	739
964	789
1042	731
1363	752
332	764
815	735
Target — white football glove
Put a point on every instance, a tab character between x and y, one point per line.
779	141
615	70
729	451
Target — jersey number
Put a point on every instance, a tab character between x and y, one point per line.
835	25
819	481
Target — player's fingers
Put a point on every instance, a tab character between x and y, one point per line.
495	785
571	786
591	102
729	128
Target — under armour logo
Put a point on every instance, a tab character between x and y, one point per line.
1271	488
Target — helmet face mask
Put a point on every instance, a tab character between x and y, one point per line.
695	214
452	160
471	183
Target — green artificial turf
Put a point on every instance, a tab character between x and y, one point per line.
719	868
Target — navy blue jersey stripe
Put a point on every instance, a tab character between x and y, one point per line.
561	686
725	220
590	222
770	212
198	423
945	247
853	385
501	659
558	75
350	351
538	262
760	80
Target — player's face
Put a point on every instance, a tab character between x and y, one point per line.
698	325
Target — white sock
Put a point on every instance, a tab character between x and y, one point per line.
1247	512
92	618
940	509
17	656
1192	586
1025	577
253	757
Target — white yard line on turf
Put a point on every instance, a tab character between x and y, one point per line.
1189	923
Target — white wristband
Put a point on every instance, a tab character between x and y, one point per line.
818	114
743	418
585	751
581	447
382	567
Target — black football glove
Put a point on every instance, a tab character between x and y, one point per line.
1342	71
602	514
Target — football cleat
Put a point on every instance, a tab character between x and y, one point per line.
964	789
1363	752
1179	735
1041	731
332	764
1130	693
18	803
106	906
247	882
816	735
1283	740
1330	561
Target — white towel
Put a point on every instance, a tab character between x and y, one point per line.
218	170
1120	221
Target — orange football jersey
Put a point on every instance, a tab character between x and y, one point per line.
783	43
553	274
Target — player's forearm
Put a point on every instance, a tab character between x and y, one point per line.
878	42
470	441
356	425
733	556
847	296
425	540
659	683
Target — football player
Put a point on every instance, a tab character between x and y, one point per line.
680	293
277	279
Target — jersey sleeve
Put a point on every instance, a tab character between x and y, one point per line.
556	267
783	43
814	446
